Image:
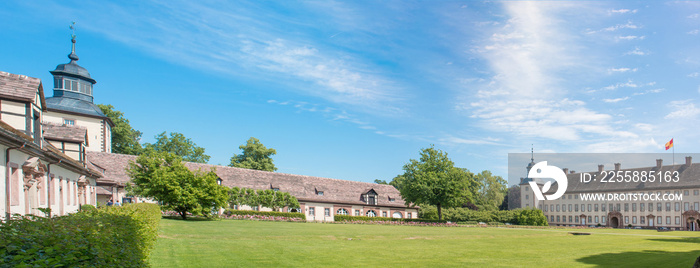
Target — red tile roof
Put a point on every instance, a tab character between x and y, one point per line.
304	188
60	132
15	86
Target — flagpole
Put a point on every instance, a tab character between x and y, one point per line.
674	153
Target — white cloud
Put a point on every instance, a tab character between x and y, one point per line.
693	32
693	75
616	100
622	70
451	140
649	91
629	84
623	11
682	109
630	37
628	25
637	52
694	16
644	127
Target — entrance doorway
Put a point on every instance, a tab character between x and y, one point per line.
614	222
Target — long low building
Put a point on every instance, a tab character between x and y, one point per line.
320	198
673	203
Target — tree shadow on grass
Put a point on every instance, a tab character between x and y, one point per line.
646	258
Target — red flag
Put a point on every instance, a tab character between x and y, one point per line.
669	144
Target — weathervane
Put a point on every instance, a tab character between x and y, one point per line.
72	27
72	55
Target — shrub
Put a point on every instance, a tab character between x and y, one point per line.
293	215
110	237
365	218
87	207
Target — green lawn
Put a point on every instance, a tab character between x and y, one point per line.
232	243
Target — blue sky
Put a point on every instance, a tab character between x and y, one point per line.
354	89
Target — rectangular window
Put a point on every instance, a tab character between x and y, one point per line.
69	122
696	192
668	219
617	207
327	212
595	208
570	219
634	219
602	219
627	219
590	218
545	208
576	207
658	220
677	206
589	208
527	197
576	219
611	207
312	211
357	212
596	219
563	219
641	220
557	209
627	207
57	83
570	207
686	192
384	214
686	206
602	207
696	205
634	207
563	208
678	220
558	218
641	207
410	216
651	207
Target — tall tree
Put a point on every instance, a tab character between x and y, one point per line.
491	190
179	145
378	181
255	156
434	180
514	197
163	177
125	139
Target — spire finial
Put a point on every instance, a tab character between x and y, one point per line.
72	56
532	152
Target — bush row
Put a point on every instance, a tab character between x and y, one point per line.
365	218
108	237
291	215
518	216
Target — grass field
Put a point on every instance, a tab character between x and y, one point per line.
232	243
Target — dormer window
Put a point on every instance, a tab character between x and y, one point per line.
276	189
370	197
69	122
219	181
319	193
392	199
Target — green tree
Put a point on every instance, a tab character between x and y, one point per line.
163	177
434	180
255	156
266	198
378	181
491	190
179	145
125	139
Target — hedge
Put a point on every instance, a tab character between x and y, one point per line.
108	237
518	216
365	218
296	215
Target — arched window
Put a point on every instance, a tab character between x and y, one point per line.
397	215
371	213
342	211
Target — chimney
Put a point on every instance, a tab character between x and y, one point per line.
659	163
601	168
617	166
566	170
688	161
572	172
